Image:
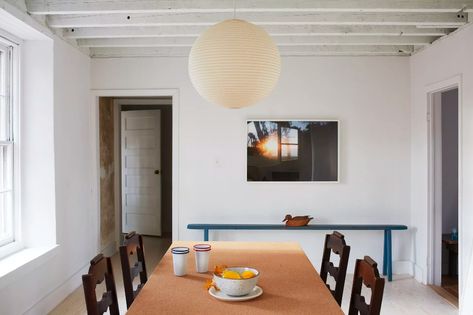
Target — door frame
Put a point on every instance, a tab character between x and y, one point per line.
433	230
95	152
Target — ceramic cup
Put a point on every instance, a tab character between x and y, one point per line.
179	260
202	253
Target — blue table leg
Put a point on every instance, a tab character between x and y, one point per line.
385	251
389	255
206	235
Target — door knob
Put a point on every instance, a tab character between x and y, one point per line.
156	172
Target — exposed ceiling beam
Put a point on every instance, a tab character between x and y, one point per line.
176	6
273	30
347	50
107	52
280	41
299	27
263	18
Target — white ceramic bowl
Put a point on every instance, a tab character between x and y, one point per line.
237	287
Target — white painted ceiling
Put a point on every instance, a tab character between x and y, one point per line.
124	28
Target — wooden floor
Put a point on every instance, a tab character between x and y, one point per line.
452	299
405	296
450	284
448	290
402	296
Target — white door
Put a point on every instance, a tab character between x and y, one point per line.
141	171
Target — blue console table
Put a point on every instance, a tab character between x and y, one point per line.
387	228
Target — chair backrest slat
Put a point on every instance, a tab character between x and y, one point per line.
366	272
335	243
100	269
133	246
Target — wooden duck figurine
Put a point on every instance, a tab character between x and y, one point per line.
297	221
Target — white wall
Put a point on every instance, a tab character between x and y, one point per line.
445	59
38	291
37	144
370	96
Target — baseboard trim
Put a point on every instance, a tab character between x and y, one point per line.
403	267
419	274
53	298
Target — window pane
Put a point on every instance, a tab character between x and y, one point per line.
5	125
6	167
2	71
289	152
289	135
4	119
6	220
6	147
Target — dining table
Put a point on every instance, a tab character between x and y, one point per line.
290	283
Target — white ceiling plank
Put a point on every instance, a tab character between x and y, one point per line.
273	30
107	52
159	6
346	50
263	18
280	41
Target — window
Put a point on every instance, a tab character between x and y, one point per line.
8	145
289	144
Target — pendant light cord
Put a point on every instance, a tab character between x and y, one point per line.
234	9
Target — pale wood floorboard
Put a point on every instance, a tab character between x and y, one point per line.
405	296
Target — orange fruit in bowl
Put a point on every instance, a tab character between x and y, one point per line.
247	274
229	274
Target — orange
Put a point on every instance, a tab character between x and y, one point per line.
247	274
229	274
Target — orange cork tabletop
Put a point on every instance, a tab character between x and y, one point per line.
291	284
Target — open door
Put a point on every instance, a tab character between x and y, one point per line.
141	171
445	192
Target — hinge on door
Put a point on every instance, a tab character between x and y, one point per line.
428	117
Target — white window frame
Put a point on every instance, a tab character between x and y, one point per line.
14	244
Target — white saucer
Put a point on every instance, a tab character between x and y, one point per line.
257	291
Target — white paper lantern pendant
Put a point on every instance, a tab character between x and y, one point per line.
234	64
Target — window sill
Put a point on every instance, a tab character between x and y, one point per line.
26	260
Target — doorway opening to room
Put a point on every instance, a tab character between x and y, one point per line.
444	181
135	153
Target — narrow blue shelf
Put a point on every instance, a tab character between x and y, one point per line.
377	227
387	228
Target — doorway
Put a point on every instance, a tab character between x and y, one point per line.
136	171
444	120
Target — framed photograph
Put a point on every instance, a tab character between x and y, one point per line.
292	150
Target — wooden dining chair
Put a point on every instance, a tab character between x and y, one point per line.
133	249
100	269
366	272
335	243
